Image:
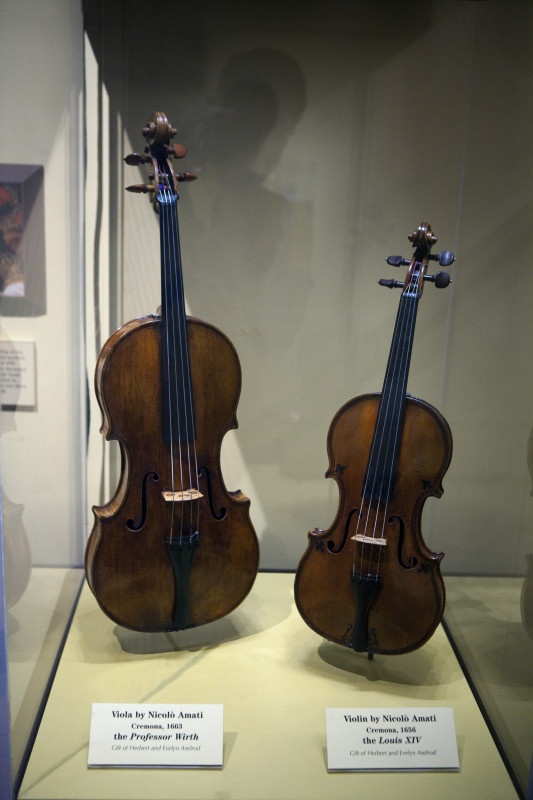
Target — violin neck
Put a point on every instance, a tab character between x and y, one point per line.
379	479
177	397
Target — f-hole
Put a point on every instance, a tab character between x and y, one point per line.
411	562
331	545
218	515
130	523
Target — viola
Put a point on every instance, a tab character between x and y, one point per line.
173	548
369	582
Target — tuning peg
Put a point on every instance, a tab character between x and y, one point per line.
178	150
390	283
441	279
149	129
445	258
185	176
397	261
134	159
140	188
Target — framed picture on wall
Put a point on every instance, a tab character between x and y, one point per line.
22	244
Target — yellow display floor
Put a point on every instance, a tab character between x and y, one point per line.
275	678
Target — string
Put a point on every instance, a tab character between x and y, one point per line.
166	332
179	386
384	449
186	382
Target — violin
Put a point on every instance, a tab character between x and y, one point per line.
369	582
173	548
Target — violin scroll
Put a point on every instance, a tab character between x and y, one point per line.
423	239
159	152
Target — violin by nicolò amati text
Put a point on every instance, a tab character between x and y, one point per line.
369	582
173	548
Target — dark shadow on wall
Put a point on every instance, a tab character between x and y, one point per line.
230	78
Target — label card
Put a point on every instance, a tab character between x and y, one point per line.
376	739
156	735
17	374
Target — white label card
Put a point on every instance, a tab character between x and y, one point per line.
17	374
376	739
156	735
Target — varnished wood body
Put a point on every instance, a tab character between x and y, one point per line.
409	602
129	571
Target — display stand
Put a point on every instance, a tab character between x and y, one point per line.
275	678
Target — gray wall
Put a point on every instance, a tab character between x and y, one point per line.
323	134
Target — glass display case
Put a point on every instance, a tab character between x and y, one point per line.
43	382
489	624
320	138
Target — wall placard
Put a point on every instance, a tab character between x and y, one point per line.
17	375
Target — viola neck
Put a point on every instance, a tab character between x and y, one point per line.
177	397
379	480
